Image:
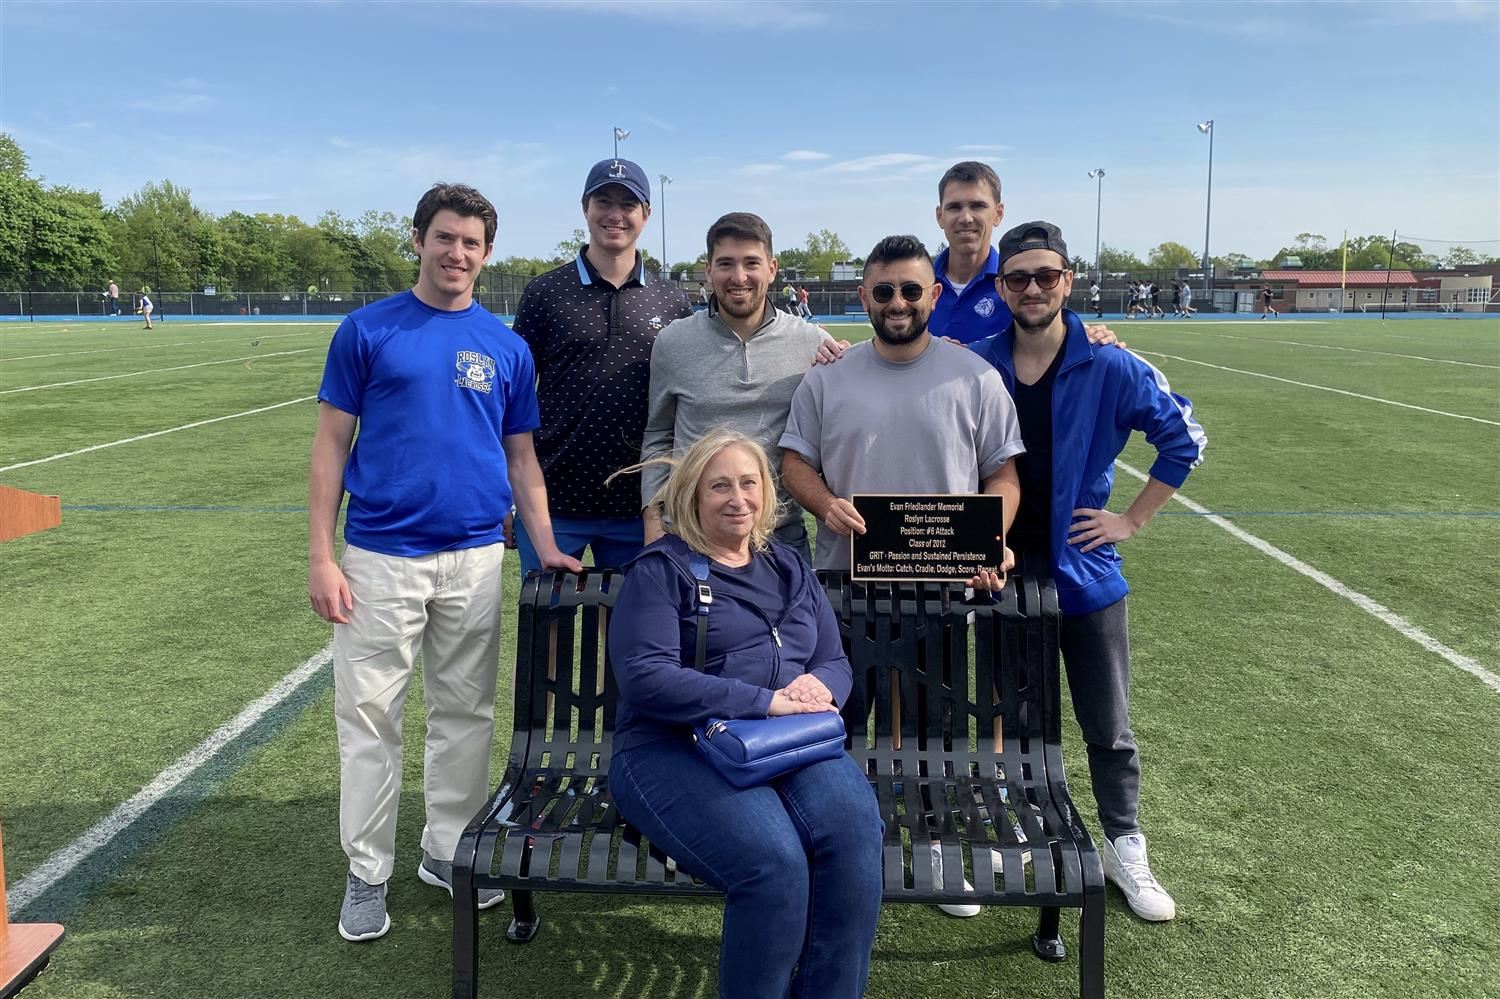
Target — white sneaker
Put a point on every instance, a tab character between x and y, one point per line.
1125	865
952	909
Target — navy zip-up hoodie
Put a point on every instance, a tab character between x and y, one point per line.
653	632
1100	396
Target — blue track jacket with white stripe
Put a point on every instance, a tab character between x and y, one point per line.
1101	394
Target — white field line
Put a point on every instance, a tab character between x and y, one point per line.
142	346
156	371
1352	350
63	861
1375	609
154	433
1213	322
1320	388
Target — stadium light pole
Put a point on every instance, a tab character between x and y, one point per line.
1207	128
1098	209
621	134
665	180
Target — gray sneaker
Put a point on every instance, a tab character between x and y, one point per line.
363	916
439	874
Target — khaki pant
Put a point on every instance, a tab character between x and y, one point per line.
450	603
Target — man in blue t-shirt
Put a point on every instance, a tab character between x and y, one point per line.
444	398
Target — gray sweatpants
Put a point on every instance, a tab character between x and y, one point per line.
1096	652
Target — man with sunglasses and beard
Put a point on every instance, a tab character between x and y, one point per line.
903	413
1078	405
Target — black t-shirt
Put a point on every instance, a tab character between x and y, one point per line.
592	344
1032	529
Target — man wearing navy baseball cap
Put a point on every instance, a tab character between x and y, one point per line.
590	325
1078	404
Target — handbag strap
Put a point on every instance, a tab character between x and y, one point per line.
698	562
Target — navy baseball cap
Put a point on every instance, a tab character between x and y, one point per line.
1033	236
623	172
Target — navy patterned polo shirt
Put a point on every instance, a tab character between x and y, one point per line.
592	344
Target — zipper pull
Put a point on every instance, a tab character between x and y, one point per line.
776	635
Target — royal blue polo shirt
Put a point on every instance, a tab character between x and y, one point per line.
975	314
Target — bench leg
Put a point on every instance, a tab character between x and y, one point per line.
465	934
1091	934
1046	942
525	922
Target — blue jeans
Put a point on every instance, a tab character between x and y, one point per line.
798	860
615	540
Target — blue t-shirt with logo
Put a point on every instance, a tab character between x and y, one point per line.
973	314
435	392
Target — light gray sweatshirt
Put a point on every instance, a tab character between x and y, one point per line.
704	376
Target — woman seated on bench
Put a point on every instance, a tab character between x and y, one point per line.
798	859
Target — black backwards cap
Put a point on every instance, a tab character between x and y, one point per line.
1033	236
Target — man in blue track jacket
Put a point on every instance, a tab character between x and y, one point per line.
1078	405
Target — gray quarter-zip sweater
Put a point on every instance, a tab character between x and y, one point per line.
704	376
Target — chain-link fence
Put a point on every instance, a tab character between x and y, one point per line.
501	292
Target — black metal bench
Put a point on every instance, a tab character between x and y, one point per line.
955	716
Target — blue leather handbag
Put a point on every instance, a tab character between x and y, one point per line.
749	752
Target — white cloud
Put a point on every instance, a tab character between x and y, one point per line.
1454	11
866	164
174	103
805	156
759	169
723	15
984	149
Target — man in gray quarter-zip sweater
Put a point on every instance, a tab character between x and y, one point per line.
736	365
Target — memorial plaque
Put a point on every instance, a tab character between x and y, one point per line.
933	538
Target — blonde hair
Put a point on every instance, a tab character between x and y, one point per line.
678	498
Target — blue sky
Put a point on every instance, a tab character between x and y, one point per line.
1365	116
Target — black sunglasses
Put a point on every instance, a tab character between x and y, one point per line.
1045	280
885	291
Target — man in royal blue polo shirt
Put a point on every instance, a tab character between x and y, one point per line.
1078	405
444	398
969	208
590	325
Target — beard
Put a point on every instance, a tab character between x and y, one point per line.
916	329
747	311
1036	326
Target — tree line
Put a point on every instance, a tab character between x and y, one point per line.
59	238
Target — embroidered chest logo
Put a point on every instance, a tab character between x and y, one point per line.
654	322
985	307
475	371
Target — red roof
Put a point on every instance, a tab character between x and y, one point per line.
1332	279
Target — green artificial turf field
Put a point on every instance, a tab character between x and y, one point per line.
1320	786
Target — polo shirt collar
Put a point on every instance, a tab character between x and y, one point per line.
990	270
588	273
